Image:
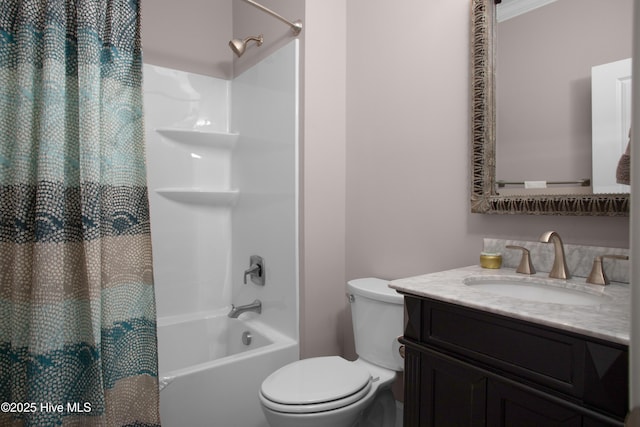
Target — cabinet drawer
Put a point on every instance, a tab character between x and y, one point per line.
546	357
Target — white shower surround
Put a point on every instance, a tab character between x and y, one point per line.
222	165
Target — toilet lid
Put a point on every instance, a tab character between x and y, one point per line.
316	380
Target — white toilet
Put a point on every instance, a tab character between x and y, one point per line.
331	391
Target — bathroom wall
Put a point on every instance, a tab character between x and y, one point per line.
188	35
323	281
408	138
634	348
385	171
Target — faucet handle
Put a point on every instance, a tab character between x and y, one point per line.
597	275
526	266
255	271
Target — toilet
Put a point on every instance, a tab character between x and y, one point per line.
332	391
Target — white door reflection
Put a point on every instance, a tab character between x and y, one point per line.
611	121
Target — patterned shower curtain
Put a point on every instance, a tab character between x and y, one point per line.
77	309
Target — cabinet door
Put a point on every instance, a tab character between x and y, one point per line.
511	406
449	394
441	391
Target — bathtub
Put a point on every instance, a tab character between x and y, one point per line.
211	367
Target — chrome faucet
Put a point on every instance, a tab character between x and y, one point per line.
255	306
559	269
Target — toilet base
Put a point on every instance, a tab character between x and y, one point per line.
338	418
381	412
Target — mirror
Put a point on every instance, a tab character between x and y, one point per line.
486	197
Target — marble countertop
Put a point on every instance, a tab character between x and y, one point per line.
609	321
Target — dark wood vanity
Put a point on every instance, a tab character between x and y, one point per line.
468	367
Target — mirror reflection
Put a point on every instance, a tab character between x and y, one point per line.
562	96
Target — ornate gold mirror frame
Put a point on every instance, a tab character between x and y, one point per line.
484	198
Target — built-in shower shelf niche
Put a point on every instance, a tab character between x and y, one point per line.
200	138
198	195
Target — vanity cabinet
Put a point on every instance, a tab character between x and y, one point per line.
467	367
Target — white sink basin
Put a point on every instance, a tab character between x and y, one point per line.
538	291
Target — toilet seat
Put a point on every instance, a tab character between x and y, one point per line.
315	385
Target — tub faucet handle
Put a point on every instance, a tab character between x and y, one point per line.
255	270
597	275
526	266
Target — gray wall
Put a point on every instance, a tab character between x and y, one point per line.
189	35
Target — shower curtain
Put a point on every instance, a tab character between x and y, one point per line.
77	309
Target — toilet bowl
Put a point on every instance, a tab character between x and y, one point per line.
331	391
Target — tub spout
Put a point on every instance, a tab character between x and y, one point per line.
255	306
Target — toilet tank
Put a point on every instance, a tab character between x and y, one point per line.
377	316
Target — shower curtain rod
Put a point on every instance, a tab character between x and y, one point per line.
295	26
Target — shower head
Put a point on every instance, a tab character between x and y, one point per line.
238	46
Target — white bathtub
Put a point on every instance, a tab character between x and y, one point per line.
208	376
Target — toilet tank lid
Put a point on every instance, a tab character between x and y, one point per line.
374	288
